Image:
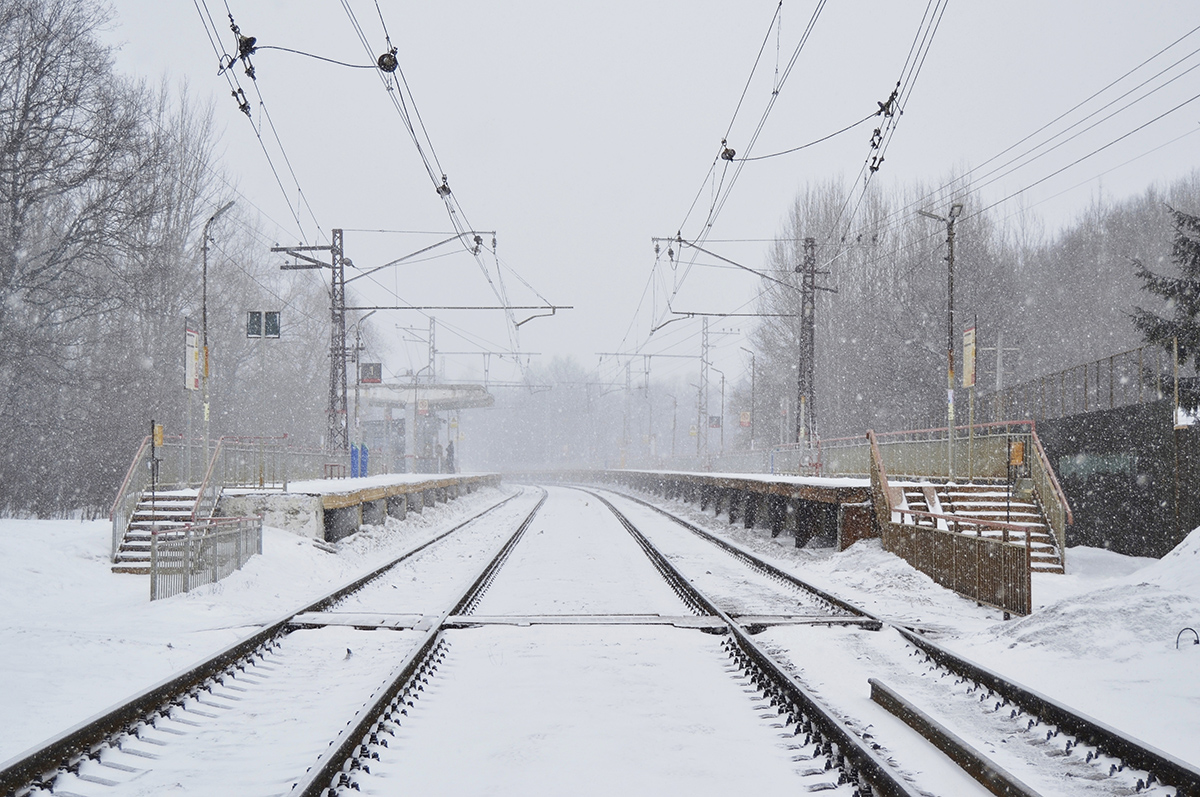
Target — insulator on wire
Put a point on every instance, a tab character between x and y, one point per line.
387	62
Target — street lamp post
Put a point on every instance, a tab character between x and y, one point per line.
204	315
357	327
948	220
722	373
752	410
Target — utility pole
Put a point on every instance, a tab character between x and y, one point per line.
433	350
651	443
722	373
948	220
806	416
753	411
337	440
625	424
204	316
358	374
674	420
703	408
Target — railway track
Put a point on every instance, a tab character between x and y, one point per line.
249	696
567	615
1012	739
587	655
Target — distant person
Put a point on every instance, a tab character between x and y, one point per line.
439	453
450	457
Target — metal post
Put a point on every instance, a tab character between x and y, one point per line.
674	420
753	411
955	210
702	410
950	335
338	441
358	374
805	366
204	316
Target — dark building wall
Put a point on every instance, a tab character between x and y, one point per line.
1118	469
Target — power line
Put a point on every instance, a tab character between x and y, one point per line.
907	208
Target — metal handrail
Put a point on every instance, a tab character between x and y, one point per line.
1053	499
209	492
964	520
879	472
122	509
1130	377
198	553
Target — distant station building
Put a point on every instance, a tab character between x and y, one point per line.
411	428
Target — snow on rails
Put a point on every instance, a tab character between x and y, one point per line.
554	647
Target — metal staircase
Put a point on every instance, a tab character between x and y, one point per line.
163	512
1015	505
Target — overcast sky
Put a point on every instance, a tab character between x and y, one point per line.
579	131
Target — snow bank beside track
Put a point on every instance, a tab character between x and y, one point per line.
76	638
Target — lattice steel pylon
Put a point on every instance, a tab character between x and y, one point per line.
337	439
806	422
338	435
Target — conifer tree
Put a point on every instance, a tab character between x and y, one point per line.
1181	293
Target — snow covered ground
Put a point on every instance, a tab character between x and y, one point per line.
75	638
1101	639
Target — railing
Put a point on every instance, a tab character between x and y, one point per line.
136	479
202	553
1131	377
987	449
757	461
172	465
1049	494
987	569
265	462
209	492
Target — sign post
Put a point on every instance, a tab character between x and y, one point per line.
191	380
969	382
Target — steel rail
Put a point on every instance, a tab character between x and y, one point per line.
858	763
1111	741
42	763
1166	768
762	566
352	746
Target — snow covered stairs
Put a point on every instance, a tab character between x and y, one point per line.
998	502
167	510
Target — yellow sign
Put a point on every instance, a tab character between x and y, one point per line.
969	358
1016	454
692	431
158	434
454	423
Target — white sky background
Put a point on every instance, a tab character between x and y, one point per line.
578	131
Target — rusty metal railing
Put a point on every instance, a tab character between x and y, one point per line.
989	569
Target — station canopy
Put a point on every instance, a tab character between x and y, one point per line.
438	397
